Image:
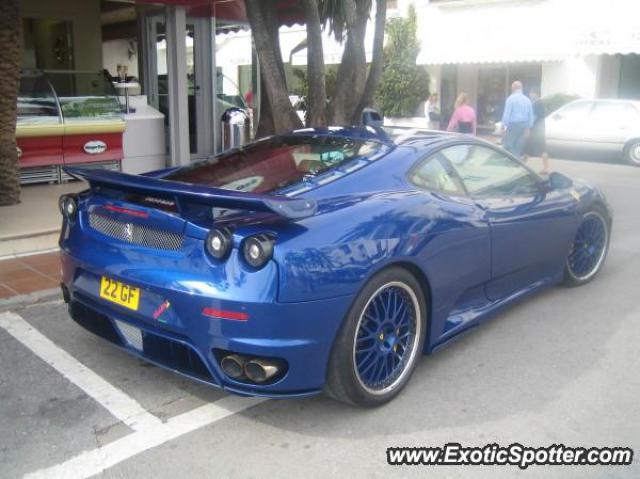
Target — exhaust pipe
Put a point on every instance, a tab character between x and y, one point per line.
233	365
261	370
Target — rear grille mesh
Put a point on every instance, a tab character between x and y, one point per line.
135	233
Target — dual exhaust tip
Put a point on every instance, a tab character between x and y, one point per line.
257	370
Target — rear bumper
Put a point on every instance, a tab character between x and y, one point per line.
184	340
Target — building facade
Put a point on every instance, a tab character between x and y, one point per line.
193	58
586	48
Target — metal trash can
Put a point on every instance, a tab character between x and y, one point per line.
235	128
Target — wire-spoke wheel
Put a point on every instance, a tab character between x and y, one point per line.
589	248
377	347
386	337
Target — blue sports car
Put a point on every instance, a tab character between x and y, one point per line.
320	260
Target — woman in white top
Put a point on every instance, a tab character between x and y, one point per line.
432	112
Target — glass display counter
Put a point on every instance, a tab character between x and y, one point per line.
67	117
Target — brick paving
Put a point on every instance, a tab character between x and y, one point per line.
28	274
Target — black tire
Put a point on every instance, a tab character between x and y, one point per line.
571	278
632	152
343	381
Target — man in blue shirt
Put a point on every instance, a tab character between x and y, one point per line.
517	120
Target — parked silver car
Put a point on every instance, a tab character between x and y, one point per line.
607	126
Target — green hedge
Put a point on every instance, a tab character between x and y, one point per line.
403	84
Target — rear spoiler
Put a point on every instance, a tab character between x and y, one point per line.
181	193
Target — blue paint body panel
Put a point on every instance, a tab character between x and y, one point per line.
474	256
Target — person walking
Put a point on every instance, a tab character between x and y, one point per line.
463	119
432	112
517	120
537	146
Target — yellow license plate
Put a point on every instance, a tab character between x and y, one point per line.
119	293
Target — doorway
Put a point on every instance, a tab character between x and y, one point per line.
198	55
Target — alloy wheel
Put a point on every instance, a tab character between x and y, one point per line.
387	337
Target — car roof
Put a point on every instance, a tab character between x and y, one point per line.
606	100
389	135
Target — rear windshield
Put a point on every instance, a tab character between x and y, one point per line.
276	163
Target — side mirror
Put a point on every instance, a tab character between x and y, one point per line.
558	181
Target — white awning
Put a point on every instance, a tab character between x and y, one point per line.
498	31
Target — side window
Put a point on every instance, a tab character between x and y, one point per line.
614	114
575	111
431	174
487	172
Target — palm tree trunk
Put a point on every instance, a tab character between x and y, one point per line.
377	60
352	71
317	98
265	125
264	26
10	25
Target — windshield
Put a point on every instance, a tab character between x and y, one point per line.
276	163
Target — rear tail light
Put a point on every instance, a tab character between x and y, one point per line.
219	243
224	314
127	211
258	249
68	206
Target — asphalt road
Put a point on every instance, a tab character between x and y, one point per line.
560	368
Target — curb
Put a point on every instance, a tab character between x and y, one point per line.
31	298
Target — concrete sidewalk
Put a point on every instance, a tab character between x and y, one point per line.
34	223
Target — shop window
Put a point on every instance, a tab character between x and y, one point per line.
529	74
492	88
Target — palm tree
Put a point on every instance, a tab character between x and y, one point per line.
276	112
355	84
10	25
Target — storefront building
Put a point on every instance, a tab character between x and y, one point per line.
584	48
187	61
82	57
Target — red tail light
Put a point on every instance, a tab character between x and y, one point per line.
127	211
218	313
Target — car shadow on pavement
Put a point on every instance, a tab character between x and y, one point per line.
528	356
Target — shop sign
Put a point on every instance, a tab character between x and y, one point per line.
95	147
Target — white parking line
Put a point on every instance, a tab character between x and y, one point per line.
90	463
123	407
150	431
